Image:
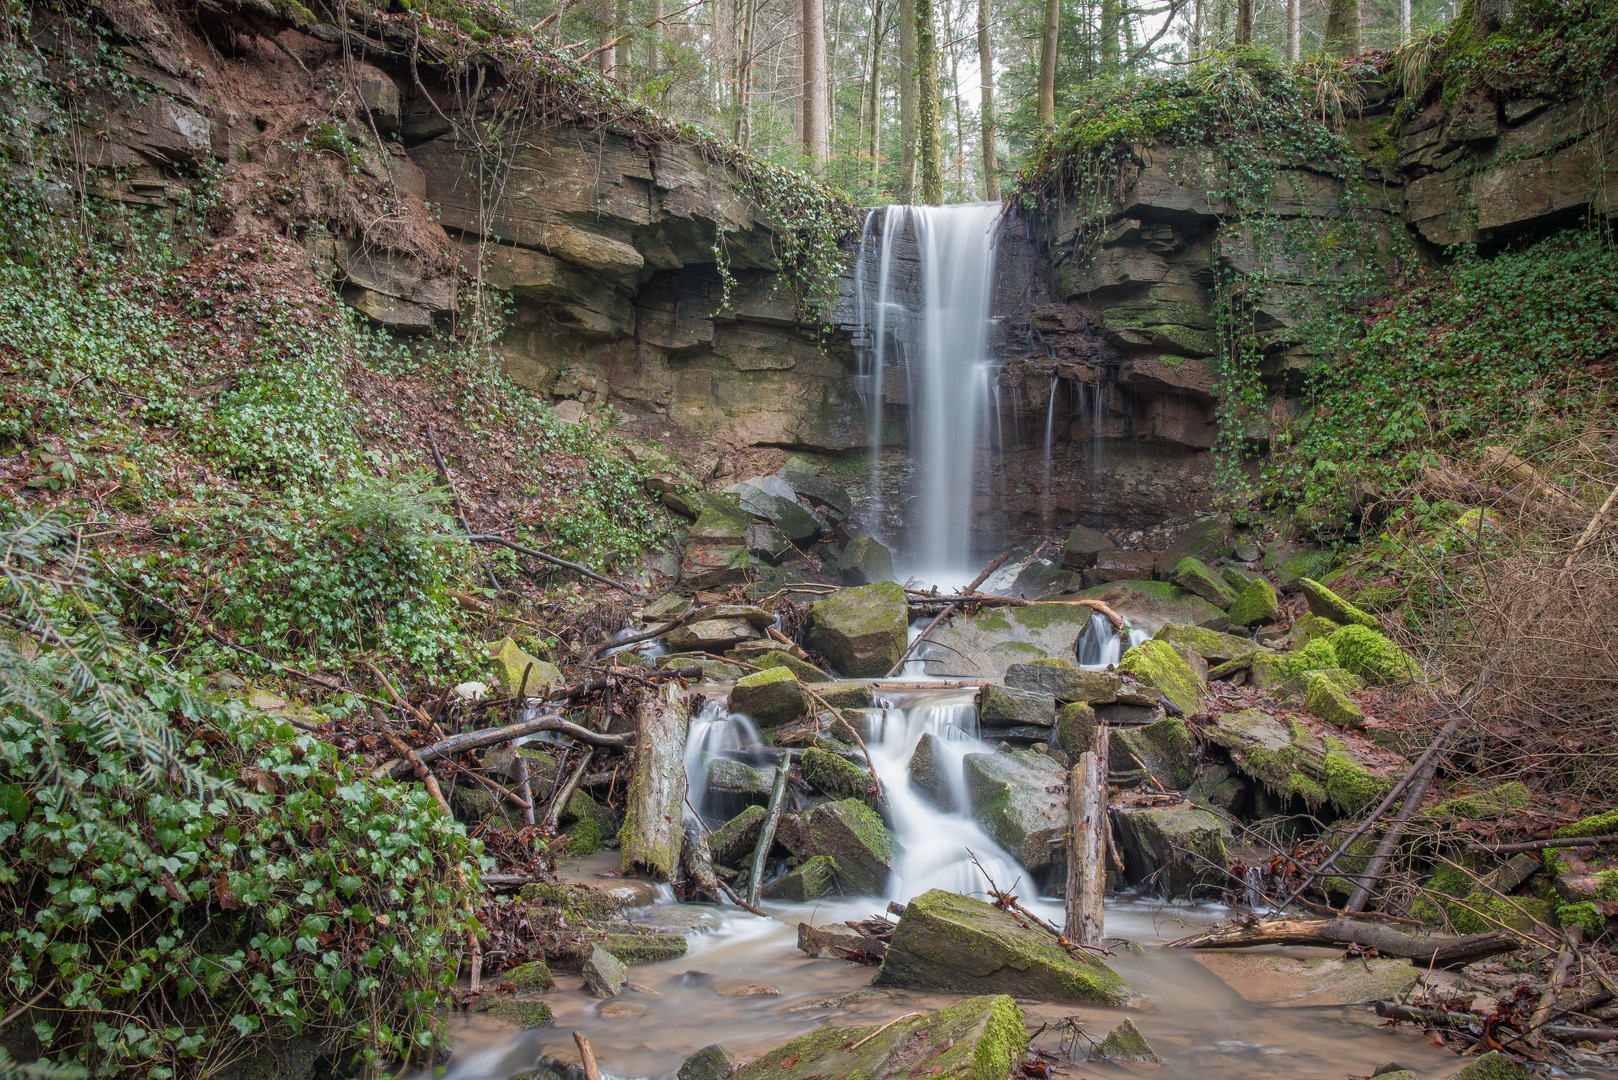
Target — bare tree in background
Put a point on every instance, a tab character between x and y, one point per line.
991	167
1294	27
1343	27
816	142
931	150
908	87
1047	63
874	102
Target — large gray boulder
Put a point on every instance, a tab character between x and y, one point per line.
604	973
1166	748
985	645
863	631
771	697
866	561
1009	798
1005	707
1174	851
1157	602
1084	545
1064	681
962	945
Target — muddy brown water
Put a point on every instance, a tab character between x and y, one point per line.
745	985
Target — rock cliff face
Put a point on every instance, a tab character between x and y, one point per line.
643	274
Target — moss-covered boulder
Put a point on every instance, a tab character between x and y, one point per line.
985	645
1211	645
529	978
709	1063
508	661
1195	576
1124	1043
1349	786
1494	1065
1005	707
853	835
604	973
1496	801
1174	851
838	777
517	1013
1158	602
1291	563
629	945
1282	756
735	839
1372	657
1206	539
814	878
1156	663
734	783
770	698
933	771
780	658
1084	546
1327	604
865	561
1323	698
1256	604
1010	798
1167	749
962	945
863	631
712	670
1064	681
979	1039
1075	732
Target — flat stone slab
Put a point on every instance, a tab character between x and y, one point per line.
1265	978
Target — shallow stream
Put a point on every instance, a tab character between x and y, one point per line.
745	985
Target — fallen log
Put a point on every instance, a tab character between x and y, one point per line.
926	601
1542	845
696	858
653	835
559	803
1415	1014
1338	933
1086	854
477	740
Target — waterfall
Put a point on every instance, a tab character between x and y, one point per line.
873	312
1045	460
944	347
938	844
1101	645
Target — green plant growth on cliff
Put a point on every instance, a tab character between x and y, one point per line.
184	878
1511	346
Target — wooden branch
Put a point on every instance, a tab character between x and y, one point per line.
1543	845
766	835
942	615
414	760
841	719
587	1056
1336	933
636	639
545	556
916	599
559	803
477	740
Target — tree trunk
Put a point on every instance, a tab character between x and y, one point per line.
621	57
1195	44
874	115
991	163
654	46
1087	844
955	93
1244	22
1343	27
1294	28
744	75
1404	21
1047	64
652	833
1111	17
907	101
931	149
816	141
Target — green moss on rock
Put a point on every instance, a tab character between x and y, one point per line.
945	941
863	631
1598	825
836	776
779	658
1349	787
1322	601
1372	657
1166	747
1155	663
530	977
1498	801
523	1014
771	697
1256	604
1325	700
1196	576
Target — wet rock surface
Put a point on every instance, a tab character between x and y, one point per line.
945	941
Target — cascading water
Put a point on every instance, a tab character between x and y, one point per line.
943	343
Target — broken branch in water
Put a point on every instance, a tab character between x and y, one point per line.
919	599
766	836
942	615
